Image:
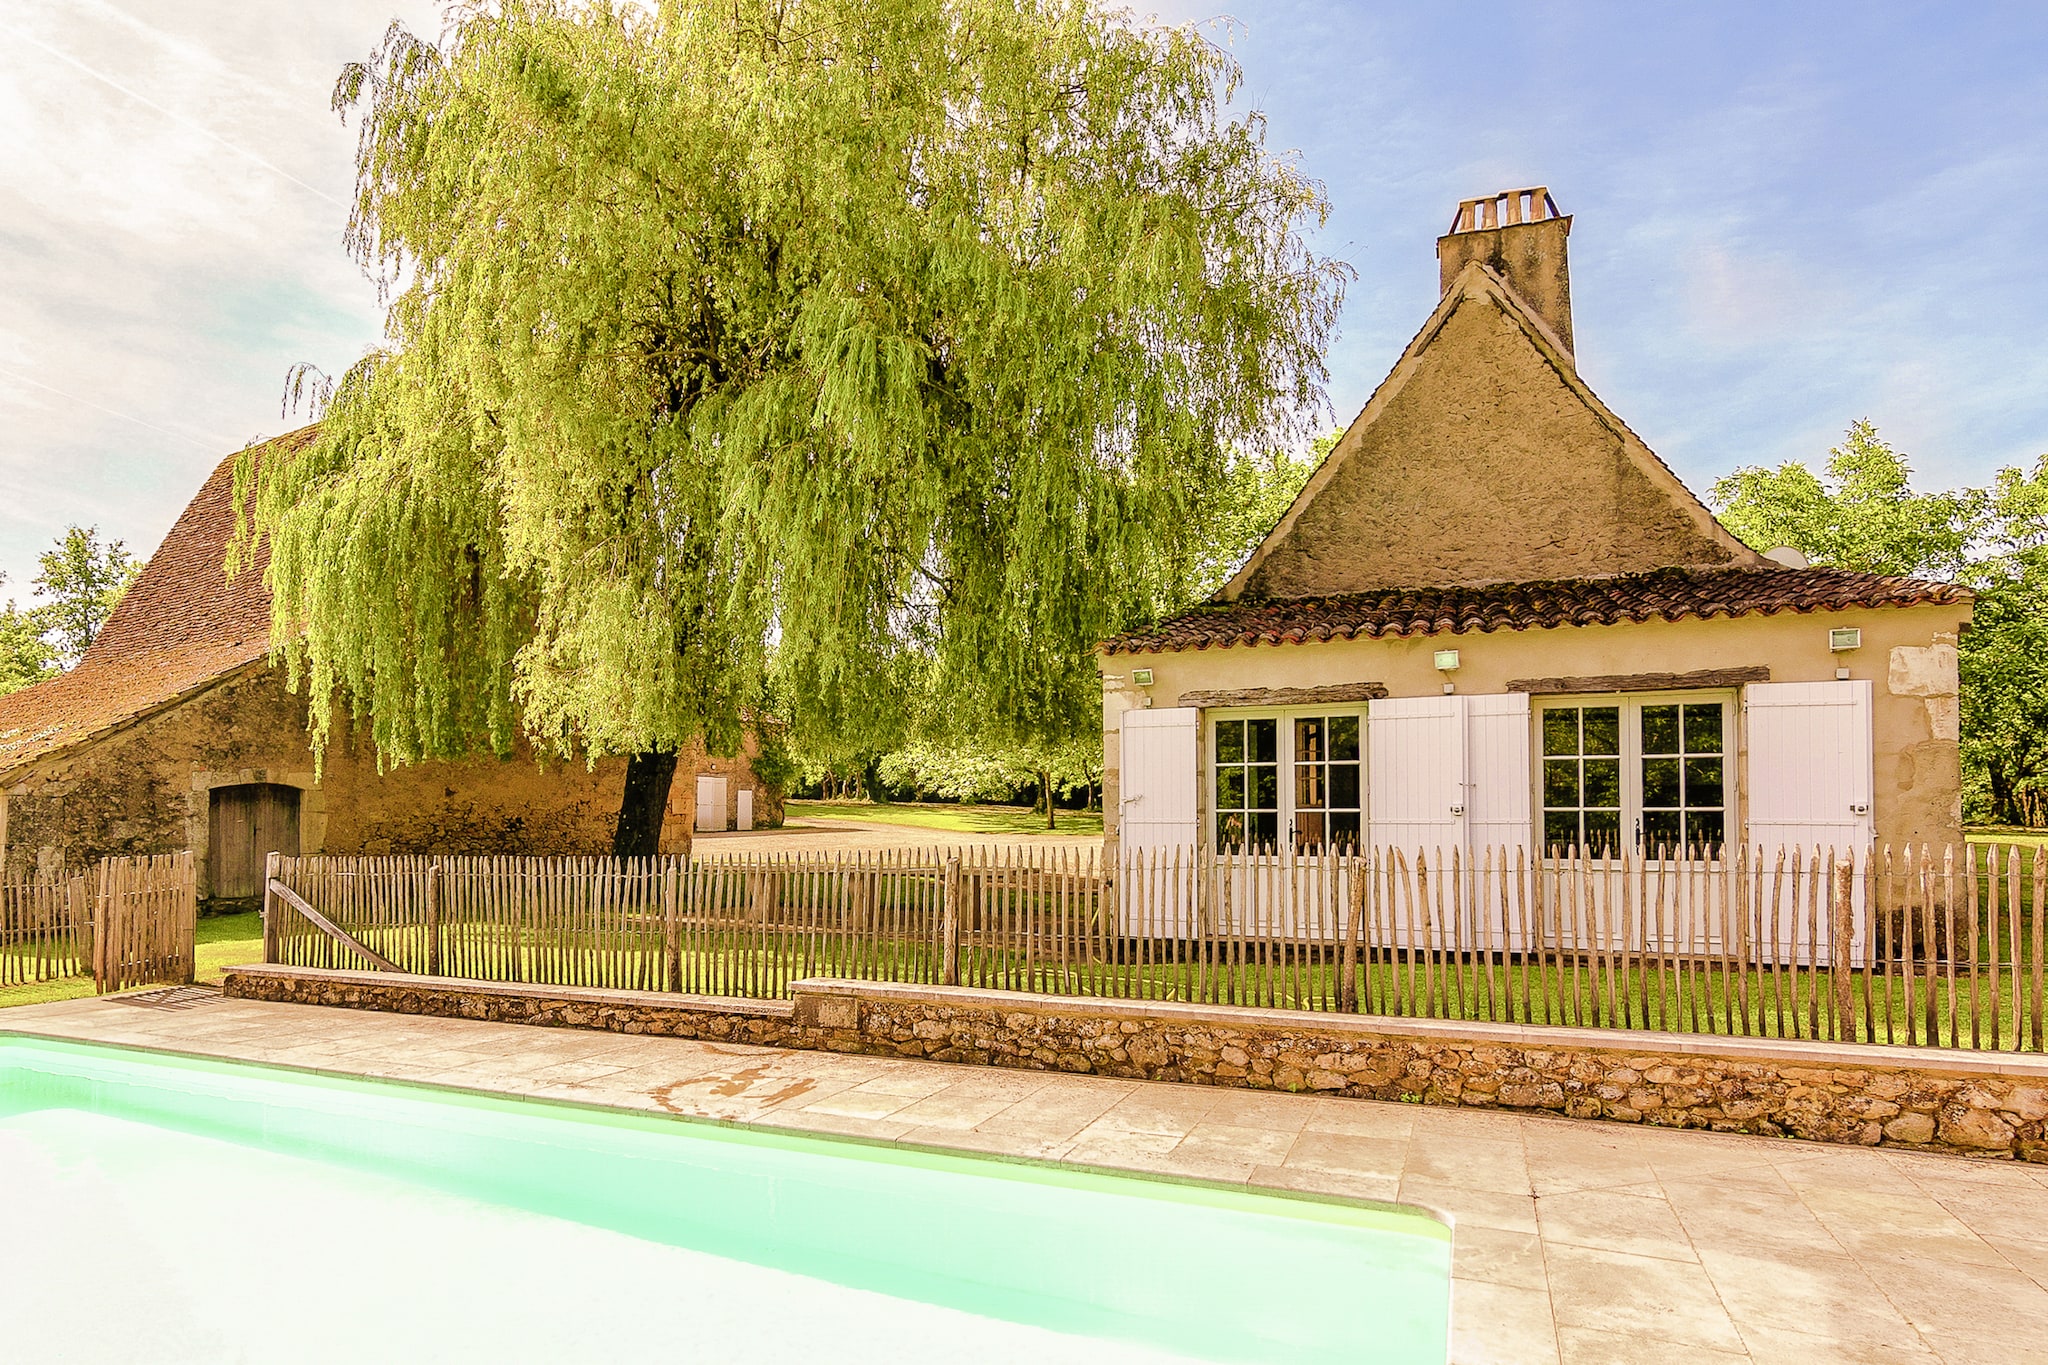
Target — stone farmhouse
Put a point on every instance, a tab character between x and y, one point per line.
176	732
1494	617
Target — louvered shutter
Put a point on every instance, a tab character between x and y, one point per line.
1810	764
1415	774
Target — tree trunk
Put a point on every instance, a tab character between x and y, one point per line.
645	802
1045	790
871	778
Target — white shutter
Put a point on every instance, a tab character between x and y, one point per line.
710	805
1415	774
1498	775
1810	764
1161	765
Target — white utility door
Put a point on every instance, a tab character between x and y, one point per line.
745	804
1415	774
710	804
1810	765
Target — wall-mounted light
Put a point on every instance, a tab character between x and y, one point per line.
1141	677
1841	640
1447	662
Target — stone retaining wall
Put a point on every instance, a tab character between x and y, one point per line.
1983	1104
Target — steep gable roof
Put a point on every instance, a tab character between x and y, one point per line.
1482	458
181	628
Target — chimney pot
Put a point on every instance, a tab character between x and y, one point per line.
1521	235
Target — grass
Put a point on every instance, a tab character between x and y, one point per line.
222	941
946	816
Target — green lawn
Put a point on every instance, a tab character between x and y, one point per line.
223	941
945	816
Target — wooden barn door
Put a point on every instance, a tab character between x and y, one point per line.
247	823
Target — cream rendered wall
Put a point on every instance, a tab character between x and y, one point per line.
1908	654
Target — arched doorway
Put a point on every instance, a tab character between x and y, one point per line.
245	824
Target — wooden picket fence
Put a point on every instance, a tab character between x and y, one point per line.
125	922
1868	946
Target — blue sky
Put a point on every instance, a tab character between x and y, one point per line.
1786	217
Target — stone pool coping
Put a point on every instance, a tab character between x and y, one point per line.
1919	1098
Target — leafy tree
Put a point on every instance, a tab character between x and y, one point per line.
1865	516
865	328
82	581
25	656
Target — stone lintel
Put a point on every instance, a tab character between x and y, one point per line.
1286	696
1646	682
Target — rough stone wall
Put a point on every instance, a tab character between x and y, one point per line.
146	789
1842	1098
1484	466
1866	1105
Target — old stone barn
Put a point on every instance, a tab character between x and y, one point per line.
175	732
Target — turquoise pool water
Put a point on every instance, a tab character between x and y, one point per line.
280	1211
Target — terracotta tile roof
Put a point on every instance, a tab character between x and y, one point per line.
1662	595
180	628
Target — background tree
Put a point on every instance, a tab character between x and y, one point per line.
1864	515
25	656
82	581
871	329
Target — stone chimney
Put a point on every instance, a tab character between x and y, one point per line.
1520	234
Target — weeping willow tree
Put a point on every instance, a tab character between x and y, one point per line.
827	332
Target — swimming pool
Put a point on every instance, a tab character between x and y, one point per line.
282	1213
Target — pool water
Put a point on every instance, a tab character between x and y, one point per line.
170	1208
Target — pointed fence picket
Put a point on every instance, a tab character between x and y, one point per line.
1906	946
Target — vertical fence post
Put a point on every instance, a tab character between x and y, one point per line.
671	939
270	934
434	918
1841	934
1347	985
949	925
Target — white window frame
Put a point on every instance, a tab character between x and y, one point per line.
1632	756
1283	761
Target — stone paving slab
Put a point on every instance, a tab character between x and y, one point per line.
1570	1245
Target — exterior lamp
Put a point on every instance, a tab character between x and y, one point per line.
1447	662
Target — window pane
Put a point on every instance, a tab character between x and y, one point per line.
1561	730
1263	739
1661	831
1603	782
1230	830
1560	782
1229	741
1229	789
1560	828
1344	738
1265	830
1660	781
1344	830
1705	829
1603	830
1660	729
1344	786
1265	789
1308	741
1308	830
1703	782
1703	728
1308	786
1603	729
